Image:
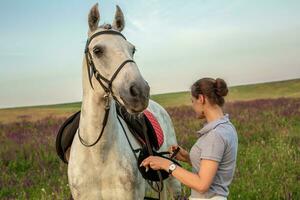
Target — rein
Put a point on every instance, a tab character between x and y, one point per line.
161	185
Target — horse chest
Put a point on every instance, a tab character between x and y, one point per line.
108	172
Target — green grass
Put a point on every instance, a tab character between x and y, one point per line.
268	162
172	99
287	88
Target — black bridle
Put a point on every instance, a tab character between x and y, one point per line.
91	66
109	92
100	78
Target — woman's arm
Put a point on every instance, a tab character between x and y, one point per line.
199	182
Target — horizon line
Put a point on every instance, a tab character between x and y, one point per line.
171	92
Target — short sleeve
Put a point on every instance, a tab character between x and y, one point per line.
213	147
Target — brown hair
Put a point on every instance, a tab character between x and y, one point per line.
214	90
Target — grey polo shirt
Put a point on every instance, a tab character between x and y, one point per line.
217	141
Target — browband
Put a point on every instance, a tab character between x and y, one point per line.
102	33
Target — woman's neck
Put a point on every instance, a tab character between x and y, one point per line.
213	113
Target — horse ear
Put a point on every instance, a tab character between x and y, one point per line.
119	22
94	18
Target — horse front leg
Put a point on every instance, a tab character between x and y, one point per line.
174	188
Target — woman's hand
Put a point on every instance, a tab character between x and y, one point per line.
156	163
182	154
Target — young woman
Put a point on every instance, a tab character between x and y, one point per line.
213	156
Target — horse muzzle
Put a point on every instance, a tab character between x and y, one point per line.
136	97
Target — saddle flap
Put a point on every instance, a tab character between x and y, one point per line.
66	134
139	126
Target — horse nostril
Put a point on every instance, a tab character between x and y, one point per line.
147	90
134	90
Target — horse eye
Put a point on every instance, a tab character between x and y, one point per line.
97	51
133	50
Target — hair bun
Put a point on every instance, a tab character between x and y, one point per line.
221	87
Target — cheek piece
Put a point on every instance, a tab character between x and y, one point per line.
92	71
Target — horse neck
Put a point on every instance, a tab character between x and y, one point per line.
93	112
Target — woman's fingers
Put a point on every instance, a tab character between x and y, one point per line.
151	162
146	165
175	152
146	161
172	148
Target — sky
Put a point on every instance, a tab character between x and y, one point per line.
178	42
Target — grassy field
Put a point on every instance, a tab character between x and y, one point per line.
289	88
268	165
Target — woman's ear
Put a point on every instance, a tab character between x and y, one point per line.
201	99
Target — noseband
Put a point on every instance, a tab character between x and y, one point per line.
92	71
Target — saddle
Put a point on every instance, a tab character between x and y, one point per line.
139	125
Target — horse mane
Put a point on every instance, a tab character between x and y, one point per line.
106	26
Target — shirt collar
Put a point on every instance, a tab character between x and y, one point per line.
213	124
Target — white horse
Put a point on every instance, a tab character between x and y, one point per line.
108	169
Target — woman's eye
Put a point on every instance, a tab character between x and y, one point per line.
97	51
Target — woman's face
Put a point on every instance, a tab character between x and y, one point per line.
198	106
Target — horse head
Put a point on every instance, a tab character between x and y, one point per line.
109	58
